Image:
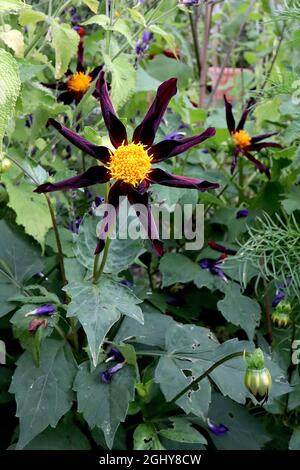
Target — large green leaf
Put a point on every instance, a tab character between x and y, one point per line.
66	436
9	90
31	209
104	405
182	431
123	78
177	268
43	394
99	307
64	41
121	253
19	261
145	437
12	5
239	309
295	440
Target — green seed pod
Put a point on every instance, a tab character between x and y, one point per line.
257	379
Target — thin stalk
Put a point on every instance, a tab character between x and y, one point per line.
193	24
166	406
267	305
206	36
220	193
229	52
96	274
57	240
103	261
274	57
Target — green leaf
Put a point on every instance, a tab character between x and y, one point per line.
295	440
66	436
31	209
145	438
43	394
182	431
31	341
169	38
177	268
27	17
14	40
123	78
246	432
9	90
19	261
121	253
121	27
29	71
239	309
92	4
137	16
177	369
100	20
104	405
99	307
12	5
65	42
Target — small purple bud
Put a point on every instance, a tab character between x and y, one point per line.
280	295
107	375
74	226
47	309
114	355
214	267
242	213
147	36
205	263
217	429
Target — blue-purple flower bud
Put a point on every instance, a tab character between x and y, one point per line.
242	213
107	375
217	429
47	309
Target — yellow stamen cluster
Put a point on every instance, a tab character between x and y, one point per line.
241	138
130	163
79	82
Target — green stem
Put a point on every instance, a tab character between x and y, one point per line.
57	239
52	215
241	179
99	272
166	406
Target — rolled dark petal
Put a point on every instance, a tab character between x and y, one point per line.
158	176
258	138
36	324
279	296
260	166
263	145
170	148
220	248
99	152
95	72
115	127
145	132
147	220
245	114
107	375
229	116
217	429
216	270
66	97
114	354
80	54
242	213
99	246
126	283
94	175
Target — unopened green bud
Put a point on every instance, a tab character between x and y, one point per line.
5	165
281	316
257	379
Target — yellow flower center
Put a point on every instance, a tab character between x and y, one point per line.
130	163
241	138
79	82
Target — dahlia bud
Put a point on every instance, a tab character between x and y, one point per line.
257	379
281	316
